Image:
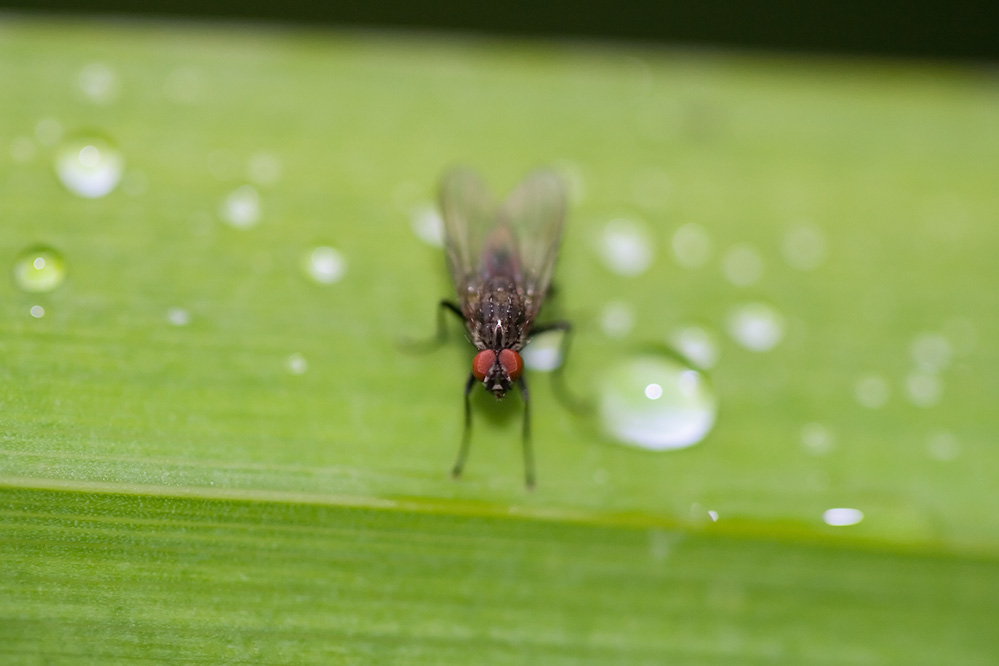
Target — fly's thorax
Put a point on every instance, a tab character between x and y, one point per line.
499	320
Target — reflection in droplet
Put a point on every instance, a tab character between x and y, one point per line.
324	264
691	245
930	351
427	224
656	402
742	265
89	166
756	326
923	388
943	446
697	344
804	247
817	439
37	311
39	269
626	247
241	208
296	364
617	319
178	316
871	391
544	352
98	82
842	517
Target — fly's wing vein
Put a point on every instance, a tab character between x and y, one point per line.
469	213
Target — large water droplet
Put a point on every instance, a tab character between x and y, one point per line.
39	269
697	344
626	247
756	326
241	208
691	245
654	401
324	264
841	517
89	165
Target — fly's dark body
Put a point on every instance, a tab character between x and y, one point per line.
501	260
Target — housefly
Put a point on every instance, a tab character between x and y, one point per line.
501	259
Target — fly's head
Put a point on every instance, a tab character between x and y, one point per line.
497	370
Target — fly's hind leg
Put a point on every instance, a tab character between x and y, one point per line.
568	399
440	336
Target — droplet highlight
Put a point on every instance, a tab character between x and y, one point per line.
656	402
37	311
89	166
842	517
427	224
39	269
324	265
758	327
178	316
626	247
544	352
296	364
241	208
697	344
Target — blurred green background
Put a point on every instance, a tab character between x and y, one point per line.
214	448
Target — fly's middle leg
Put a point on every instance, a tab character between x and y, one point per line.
440	336
565	396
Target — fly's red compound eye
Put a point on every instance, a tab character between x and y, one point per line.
482	362
512	363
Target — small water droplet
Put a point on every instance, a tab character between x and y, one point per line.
264	168
871	391
324	264
804	247
656	402
48	131
544	352
691	245
22	149
930	351
626	247
241	208
756	326
742	265
98	82
296	364
842	517
699	345
617	319
39	269
89	165
817	439
923	388
178	316
37	311
713	515
427	224
943	446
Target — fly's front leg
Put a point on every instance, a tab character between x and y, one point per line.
526	437
466	436
564	395
441	335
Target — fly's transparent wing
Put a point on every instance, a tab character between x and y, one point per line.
535	212
469	213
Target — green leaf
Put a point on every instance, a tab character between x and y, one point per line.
208	454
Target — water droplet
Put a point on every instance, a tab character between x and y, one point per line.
617	319
742	265
713	515
756	326
656	402
842	517
427	224
804	247
930	351
626	247
871	391
923	388
324	264
48	131
241	208
178	316
98	82
544	352
698	345
264	169
691	245
943	446
296	364
22	149
39	269
89	165
817	439
37	311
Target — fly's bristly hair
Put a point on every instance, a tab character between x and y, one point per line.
496	315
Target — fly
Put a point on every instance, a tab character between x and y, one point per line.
501	260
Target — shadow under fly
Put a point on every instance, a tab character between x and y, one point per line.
501	259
